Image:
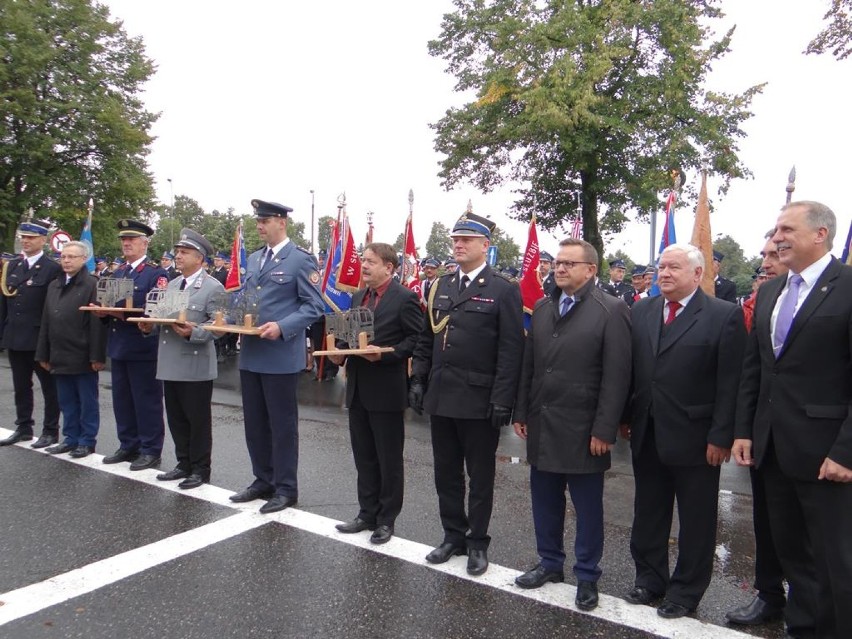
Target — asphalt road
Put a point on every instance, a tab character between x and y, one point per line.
88	550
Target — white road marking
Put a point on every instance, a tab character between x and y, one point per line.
611	609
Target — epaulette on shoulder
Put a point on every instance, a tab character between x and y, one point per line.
506	277
304	250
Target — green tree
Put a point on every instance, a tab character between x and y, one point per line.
618	255
508	252
836	36
596	98
736	266
72	122
439	245
324	231
400	240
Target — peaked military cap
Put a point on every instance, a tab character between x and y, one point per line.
617	264
223	256
134	228
472	225
169	255
194	240
717	256
34	228
431	261
639	269
270	209
545	257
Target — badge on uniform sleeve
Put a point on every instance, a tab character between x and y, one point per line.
314	277
162	282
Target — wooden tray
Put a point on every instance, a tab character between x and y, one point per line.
232	328
157	320
356	351
112	308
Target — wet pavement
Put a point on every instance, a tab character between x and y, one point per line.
292	575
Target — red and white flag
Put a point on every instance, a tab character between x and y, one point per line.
410	264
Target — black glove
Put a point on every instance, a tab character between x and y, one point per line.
416	391
500	415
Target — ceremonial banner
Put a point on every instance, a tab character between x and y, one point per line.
701	238
349	269
339	270
86	238
577	228
410	264
667	238
531	290
237	272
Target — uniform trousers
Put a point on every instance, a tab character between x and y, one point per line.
191	424
812	528
696	489
137	400
378	438
23	365
548	505
81	413
458	444
768	573
271	416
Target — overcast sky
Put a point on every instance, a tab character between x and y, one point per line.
269	99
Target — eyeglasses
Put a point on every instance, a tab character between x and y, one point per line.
71	257
567	263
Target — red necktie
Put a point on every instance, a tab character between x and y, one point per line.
637	297
673	309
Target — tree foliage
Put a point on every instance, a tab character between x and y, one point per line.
599	98
736	266
508	252
439	245
836	37
72	122
324	231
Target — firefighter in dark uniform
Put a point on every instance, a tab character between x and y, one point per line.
616	286
636	289
167	263
725	288
545	267
25	280
465	375
137	394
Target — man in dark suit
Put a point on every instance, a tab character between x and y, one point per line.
377	393
137	394
430	270
687	356
466	362
26	282
220	267
574	384
616	285
793	419
725	288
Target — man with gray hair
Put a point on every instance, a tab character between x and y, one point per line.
687	355
793	418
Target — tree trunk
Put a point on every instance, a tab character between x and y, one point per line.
589	201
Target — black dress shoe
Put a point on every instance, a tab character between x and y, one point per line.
278	502
587	595
756	613
44	441
641	596
145	461
81	451
193	481
355	526
477	561
121	455
59	449
16	437
381	535
539	576
442	553
671	610
175	473
250	494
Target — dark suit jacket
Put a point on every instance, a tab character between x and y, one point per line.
20	316
726	290
686	381
475	360
803	399
397	320
575	380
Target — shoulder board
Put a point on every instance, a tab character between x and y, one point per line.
440	277
506	277
304	250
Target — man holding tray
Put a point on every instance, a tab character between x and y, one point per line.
186	362
287	283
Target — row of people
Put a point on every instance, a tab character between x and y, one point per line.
693	390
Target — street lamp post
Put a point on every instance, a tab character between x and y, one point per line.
172	212
313	251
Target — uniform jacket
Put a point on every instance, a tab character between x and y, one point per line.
687	380
288	293
474	360
194	359
71	339
126	341
383	385
221	274
548	284
804	398
726	290
575	380
20	316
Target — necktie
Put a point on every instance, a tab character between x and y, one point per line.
426	288
26	265
183	284
637	297
567	303
673	309
785	313
463	283
266	257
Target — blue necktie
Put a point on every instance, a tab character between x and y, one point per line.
785	314
567	303
266	257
